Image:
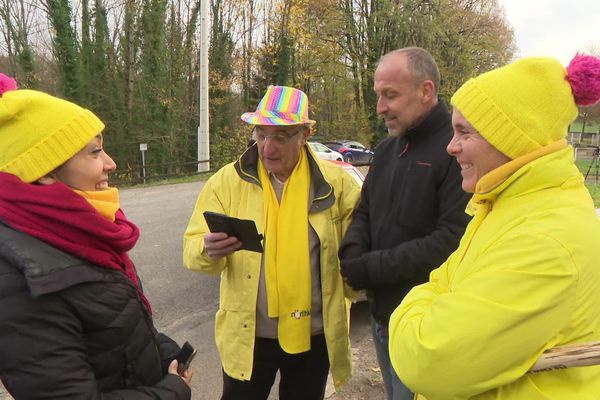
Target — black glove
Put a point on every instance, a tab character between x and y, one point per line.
350	251
354	270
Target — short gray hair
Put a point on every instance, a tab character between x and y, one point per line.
420	63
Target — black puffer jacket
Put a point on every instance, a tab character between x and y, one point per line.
411	213
72	330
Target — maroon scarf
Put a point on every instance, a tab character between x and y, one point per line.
60	217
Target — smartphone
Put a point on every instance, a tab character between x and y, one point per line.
185	357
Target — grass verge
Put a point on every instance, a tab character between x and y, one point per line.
169	181
592	183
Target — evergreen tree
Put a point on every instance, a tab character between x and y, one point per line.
224	143
65	47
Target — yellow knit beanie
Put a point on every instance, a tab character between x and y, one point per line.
521	107
39	132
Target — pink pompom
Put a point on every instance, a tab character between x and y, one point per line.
6	83
583	73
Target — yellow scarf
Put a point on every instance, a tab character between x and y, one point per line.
286	257
498	176
481	203
106	202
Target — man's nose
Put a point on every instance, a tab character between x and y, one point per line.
269	145
381	106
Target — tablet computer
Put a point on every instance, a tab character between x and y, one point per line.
243	229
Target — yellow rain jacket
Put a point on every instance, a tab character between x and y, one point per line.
235	190
525	278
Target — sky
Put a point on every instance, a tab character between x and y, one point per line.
554	28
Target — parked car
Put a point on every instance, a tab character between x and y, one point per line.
324	152
353	152
352	170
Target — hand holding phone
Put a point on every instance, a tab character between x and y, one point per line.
185	357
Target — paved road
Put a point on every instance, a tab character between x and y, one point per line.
184	302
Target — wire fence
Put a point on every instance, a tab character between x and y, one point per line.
141	174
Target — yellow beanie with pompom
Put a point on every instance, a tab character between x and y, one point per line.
521	107
529	103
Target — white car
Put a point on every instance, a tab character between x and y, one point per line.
324	152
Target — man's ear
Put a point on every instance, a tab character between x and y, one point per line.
427	90
47	180
305	135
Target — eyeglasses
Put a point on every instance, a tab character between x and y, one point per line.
277	138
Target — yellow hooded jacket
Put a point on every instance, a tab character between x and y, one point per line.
235	190
525	278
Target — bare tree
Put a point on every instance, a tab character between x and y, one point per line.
17	17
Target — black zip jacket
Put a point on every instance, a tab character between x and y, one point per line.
72	330
411	213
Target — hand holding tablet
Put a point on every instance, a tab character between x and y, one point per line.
243	229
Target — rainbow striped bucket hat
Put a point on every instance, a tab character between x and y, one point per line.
281	105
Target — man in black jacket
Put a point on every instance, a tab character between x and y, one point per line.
411	213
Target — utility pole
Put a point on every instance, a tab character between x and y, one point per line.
203	133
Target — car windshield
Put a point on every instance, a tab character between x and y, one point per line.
355	145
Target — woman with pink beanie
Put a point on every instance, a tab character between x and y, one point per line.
526	275
74	321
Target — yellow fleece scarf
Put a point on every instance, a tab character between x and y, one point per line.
481	203
106	202
286	257
496	177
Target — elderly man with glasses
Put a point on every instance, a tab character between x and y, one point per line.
285	309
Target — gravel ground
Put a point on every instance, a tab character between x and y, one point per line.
366	382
